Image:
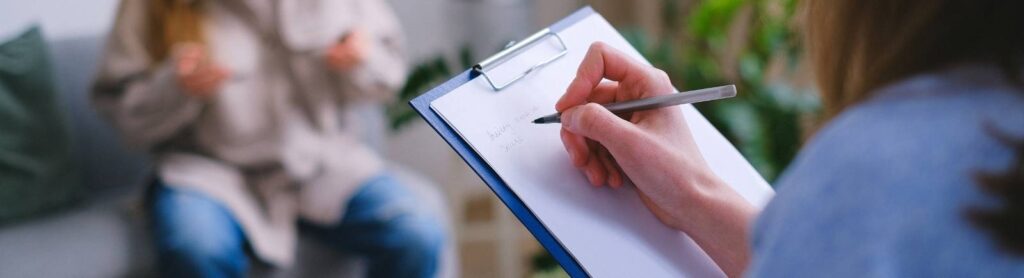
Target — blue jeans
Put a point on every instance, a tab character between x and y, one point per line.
196	236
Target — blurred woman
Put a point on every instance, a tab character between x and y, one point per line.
243	105
918	173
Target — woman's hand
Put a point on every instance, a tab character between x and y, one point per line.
349	52
196	72
655	150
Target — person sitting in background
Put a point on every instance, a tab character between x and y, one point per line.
242	106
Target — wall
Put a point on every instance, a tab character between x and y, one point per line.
61	19
432	26
643	14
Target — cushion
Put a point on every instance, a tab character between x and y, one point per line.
37	169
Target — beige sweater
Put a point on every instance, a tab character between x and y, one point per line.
273	145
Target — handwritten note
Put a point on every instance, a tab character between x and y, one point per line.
609	232
505	134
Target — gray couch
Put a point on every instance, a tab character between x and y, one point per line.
105	235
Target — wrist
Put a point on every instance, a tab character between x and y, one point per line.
710	201
719	220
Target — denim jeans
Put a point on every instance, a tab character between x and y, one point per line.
196	236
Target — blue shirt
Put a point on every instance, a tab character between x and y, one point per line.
882	190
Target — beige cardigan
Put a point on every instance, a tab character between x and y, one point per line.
274	144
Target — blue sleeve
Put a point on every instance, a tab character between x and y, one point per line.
882	191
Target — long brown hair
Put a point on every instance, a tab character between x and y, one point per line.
171	22
858	46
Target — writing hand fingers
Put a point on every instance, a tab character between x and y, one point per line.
614	174
600	62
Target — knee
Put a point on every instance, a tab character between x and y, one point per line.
202	249
201	257
417	236
195	236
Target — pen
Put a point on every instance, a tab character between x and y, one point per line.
694	96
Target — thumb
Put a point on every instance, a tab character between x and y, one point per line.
593	121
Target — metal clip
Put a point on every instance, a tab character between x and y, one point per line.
515	48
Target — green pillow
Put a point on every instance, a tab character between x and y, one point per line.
37	169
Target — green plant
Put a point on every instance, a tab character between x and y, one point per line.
737	41
422	77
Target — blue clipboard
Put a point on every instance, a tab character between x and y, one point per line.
422	106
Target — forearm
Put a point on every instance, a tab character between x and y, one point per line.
721	226
379	76
148	108
384	68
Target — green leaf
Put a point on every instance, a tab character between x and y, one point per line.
422	77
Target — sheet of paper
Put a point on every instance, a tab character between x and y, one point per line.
609	232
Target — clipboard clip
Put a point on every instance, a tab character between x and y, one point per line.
514	48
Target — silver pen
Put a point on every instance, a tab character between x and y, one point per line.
624	107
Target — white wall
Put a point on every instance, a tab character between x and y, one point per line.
60	19
444	26
432	26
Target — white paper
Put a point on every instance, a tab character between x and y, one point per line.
609	232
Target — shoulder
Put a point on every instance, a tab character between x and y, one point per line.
134	10
131	24
893	174
940	115
934	121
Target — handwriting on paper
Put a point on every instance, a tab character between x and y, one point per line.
504	134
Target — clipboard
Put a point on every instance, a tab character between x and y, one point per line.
549	215
422	106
